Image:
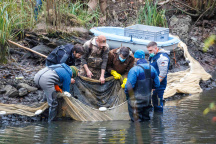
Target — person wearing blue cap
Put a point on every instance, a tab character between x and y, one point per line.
139	56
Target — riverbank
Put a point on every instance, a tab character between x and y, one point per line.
17	86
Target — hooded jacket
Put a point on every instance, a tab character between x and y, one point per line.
65	75
115	64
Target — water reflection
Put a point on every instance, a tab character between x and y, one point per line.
181	122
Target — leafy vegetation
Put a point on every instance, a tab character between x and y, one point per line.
17	15
211	40
151	15
13	15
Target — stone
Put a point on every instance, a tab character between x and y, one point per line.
2	91
180	25
11	91
28	87
23	92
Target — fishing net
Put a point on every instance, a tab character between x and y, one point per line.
88	95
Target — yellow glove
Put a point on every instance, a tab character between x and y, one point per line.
115	74
124	83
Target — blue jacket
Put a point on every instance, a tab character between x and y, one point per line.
161	62
65	75
141	61
137	73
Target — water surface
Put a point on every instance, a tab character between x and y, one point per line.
181	122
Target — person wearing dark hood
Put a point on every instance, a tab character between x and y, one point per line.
139	56
159	59
48	77
120	61
68	54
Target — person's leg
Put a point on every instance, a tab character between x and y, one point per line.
157	99
37	8
47	82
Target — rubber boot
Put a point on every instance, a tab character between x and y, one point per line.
53	108
157	100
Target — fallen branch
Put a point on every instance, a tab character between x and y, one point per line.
201	16
163	2
40	54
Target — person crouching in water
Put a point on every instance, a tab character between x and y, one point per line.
141	80
48	77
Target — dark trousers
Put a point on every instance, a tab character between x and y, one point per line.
157	99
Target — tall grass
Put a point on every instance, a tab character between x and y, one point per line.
151	15
203	7
18	15
13	16
64	12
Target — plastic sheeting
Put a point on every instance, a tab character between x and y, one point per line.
186	81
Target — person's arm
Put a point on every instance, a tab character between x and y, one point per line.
88	72
66	84
102	79
162	63
154	75
86	53
84	58
110	62
104	58
131	79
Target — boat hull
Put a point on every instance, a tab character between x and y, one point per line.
115	38
116	44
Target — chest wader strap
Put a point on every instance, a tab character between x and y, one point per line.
147	72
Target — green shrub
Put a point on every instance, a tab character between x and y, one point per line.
151	15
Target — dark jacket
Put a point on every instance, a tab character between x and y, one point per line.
137	73
61	54
161	62
115	64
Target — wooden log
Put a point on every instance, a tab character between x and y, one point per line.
40	54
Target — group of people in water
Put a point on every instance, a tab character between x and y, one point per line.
96	61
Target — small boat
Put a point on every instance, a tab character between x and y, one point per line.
115	38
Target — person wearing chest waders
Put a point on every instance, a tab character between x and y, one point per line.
120	61
141	80
94	59
48	77
68	54
159	59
